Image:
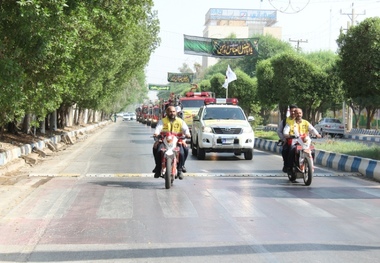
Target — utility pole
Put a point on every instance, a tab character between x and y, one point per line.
298	43
352	17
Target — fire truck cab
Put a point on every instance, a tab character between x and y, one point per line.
191	103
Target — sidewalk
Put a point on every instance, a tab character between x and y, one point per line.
30	154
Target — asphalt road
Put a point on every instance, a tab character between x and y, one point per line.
98	202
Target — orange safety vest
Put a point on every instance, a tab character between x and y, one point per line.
174	127
303	129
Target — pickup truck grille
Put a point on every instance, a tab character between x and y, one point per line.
227	130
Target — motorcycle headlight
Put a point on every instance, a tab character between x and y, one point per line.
169	139
207	129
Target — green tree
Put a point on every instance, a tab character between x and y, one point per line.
216	82
59	53
359	64
268	46
290	78
244	89
330	91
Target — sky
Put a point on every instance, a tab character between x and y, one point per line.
317	21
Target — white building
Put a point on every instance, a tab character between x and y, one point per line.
243	23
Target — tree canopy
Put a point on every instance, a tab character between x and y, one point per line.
66	52
359	64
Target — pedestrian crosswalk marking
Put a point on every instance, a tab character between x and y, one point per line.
235	205
303	207
176	204
363	206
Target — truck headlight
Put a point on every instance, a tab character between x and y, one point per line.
247	130
207	129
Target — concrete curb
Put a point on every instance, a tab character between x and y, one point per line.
14	154
340	162
363	137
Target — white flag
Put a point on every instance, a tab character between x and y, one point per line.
230	76
288	112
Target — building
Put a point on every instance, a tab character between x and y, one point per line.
242	23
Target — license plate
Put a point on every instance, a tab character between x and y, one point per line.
227	141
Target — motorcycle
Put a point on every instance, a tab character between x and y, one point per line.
303	166
169	157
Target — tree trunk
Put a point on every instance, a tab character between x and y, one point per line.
89	116
76	113
12	127
53	121
42	127
356	110
370	115
26	123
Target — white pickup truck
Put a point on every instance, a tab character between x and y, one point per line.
221	126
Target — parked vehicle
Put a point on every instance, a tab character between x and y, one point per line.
330	126
132	116
126	116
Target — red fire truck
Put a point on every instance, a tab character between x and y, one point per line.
155	117
191	104
144	113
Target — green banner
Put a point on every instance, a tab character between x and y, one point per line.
197	45
228	47
158	87
180	77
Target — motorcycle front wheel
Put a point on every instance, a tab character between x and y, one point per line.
308	175
168	176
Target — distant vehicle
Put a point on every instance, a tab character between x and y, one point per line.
149	115
133	116
139	113
155	116
127	116
145	109
330	126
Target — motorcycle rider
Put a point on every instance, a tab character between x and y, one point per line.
280	133
300	128
170	123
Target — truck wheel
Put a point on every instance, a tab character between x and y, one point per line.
248	155
201	153
193	149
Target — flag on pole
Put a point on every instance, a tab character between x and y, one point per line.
230	76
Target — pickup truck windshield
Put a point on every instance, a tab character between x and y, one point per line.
223	114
